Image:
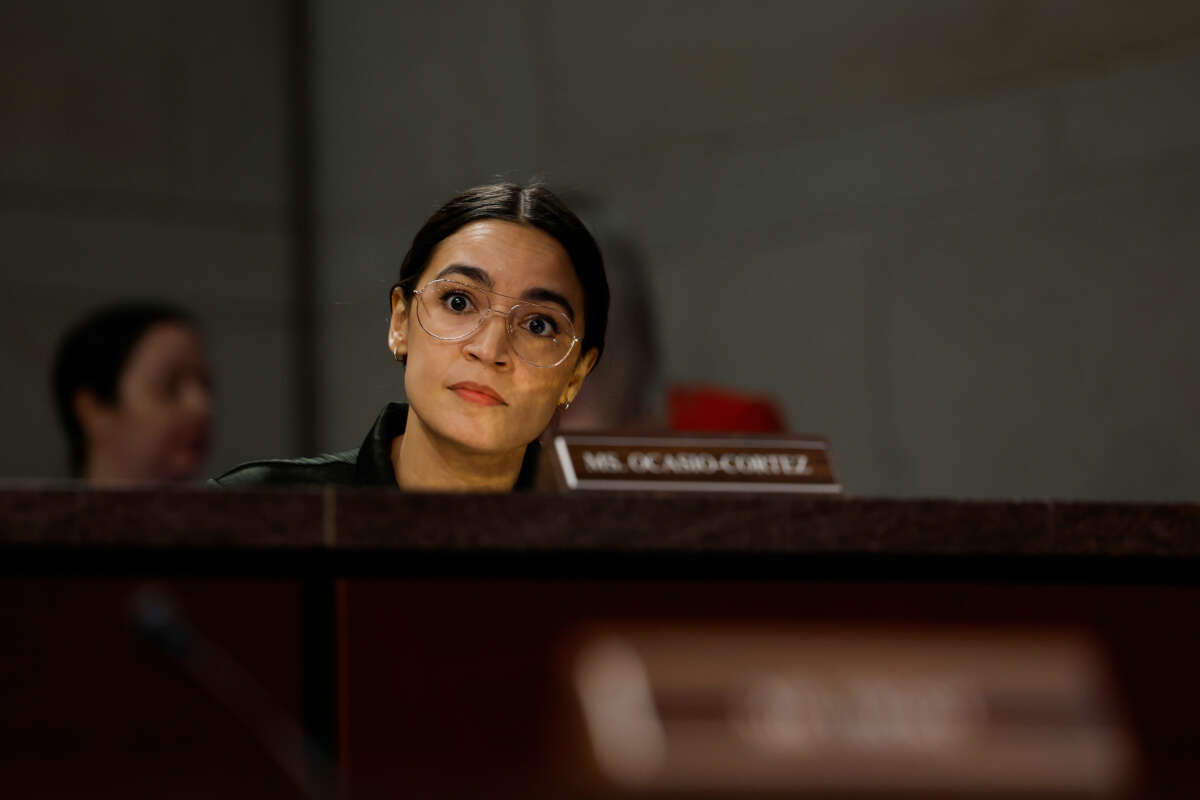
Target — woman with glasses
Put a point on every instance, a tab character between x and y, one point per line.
498	316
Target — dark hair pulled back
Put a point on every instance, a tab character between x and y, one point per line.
533	205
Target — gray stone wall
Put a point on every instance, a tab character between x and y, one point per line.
957	238
143	154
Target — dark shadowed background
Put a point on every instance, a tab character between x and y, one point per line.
958	238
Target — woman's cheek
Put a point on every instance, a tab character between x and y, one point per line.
413	385
543	400
537	416
416	384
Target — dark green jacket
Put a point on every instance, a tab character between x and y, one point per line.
369	465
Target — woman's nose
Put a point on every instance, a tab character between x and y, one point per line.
490	342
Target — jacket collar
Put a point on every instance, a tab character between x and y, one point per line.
373	467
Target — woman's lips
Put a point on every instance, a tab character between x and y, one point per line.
478	393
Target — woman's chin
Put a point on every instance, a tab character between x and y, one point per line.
472	435
182	470
474	432
478	442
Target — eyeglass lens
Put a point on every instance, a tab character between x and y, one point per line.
450	310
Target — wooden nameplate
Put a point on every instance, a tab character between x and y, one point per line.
692	462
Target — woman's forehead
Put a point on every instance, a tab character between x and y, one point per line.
165	344
515	257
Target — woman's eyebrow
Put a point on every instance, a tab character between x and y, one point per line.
549	296
474	273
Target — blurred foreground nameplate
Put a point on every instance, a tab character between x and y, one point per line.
723	711
693	462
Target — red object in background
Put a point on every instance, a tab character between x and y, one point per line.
707	408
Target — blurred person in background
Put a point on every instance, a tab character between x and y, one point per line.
133	392
629	392
625	391
498	316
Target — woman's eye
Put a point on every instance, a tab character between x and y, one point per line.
457	302
541	326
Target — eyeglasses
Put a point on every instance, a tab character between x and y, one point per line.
451	311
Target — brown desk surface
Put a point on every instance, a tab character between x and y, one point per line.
929	563
327	522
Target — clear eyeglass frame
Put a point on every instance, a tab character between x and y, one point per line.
485	313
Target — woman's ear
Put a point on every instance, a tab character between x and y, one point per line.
582	368
398	326
94	416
